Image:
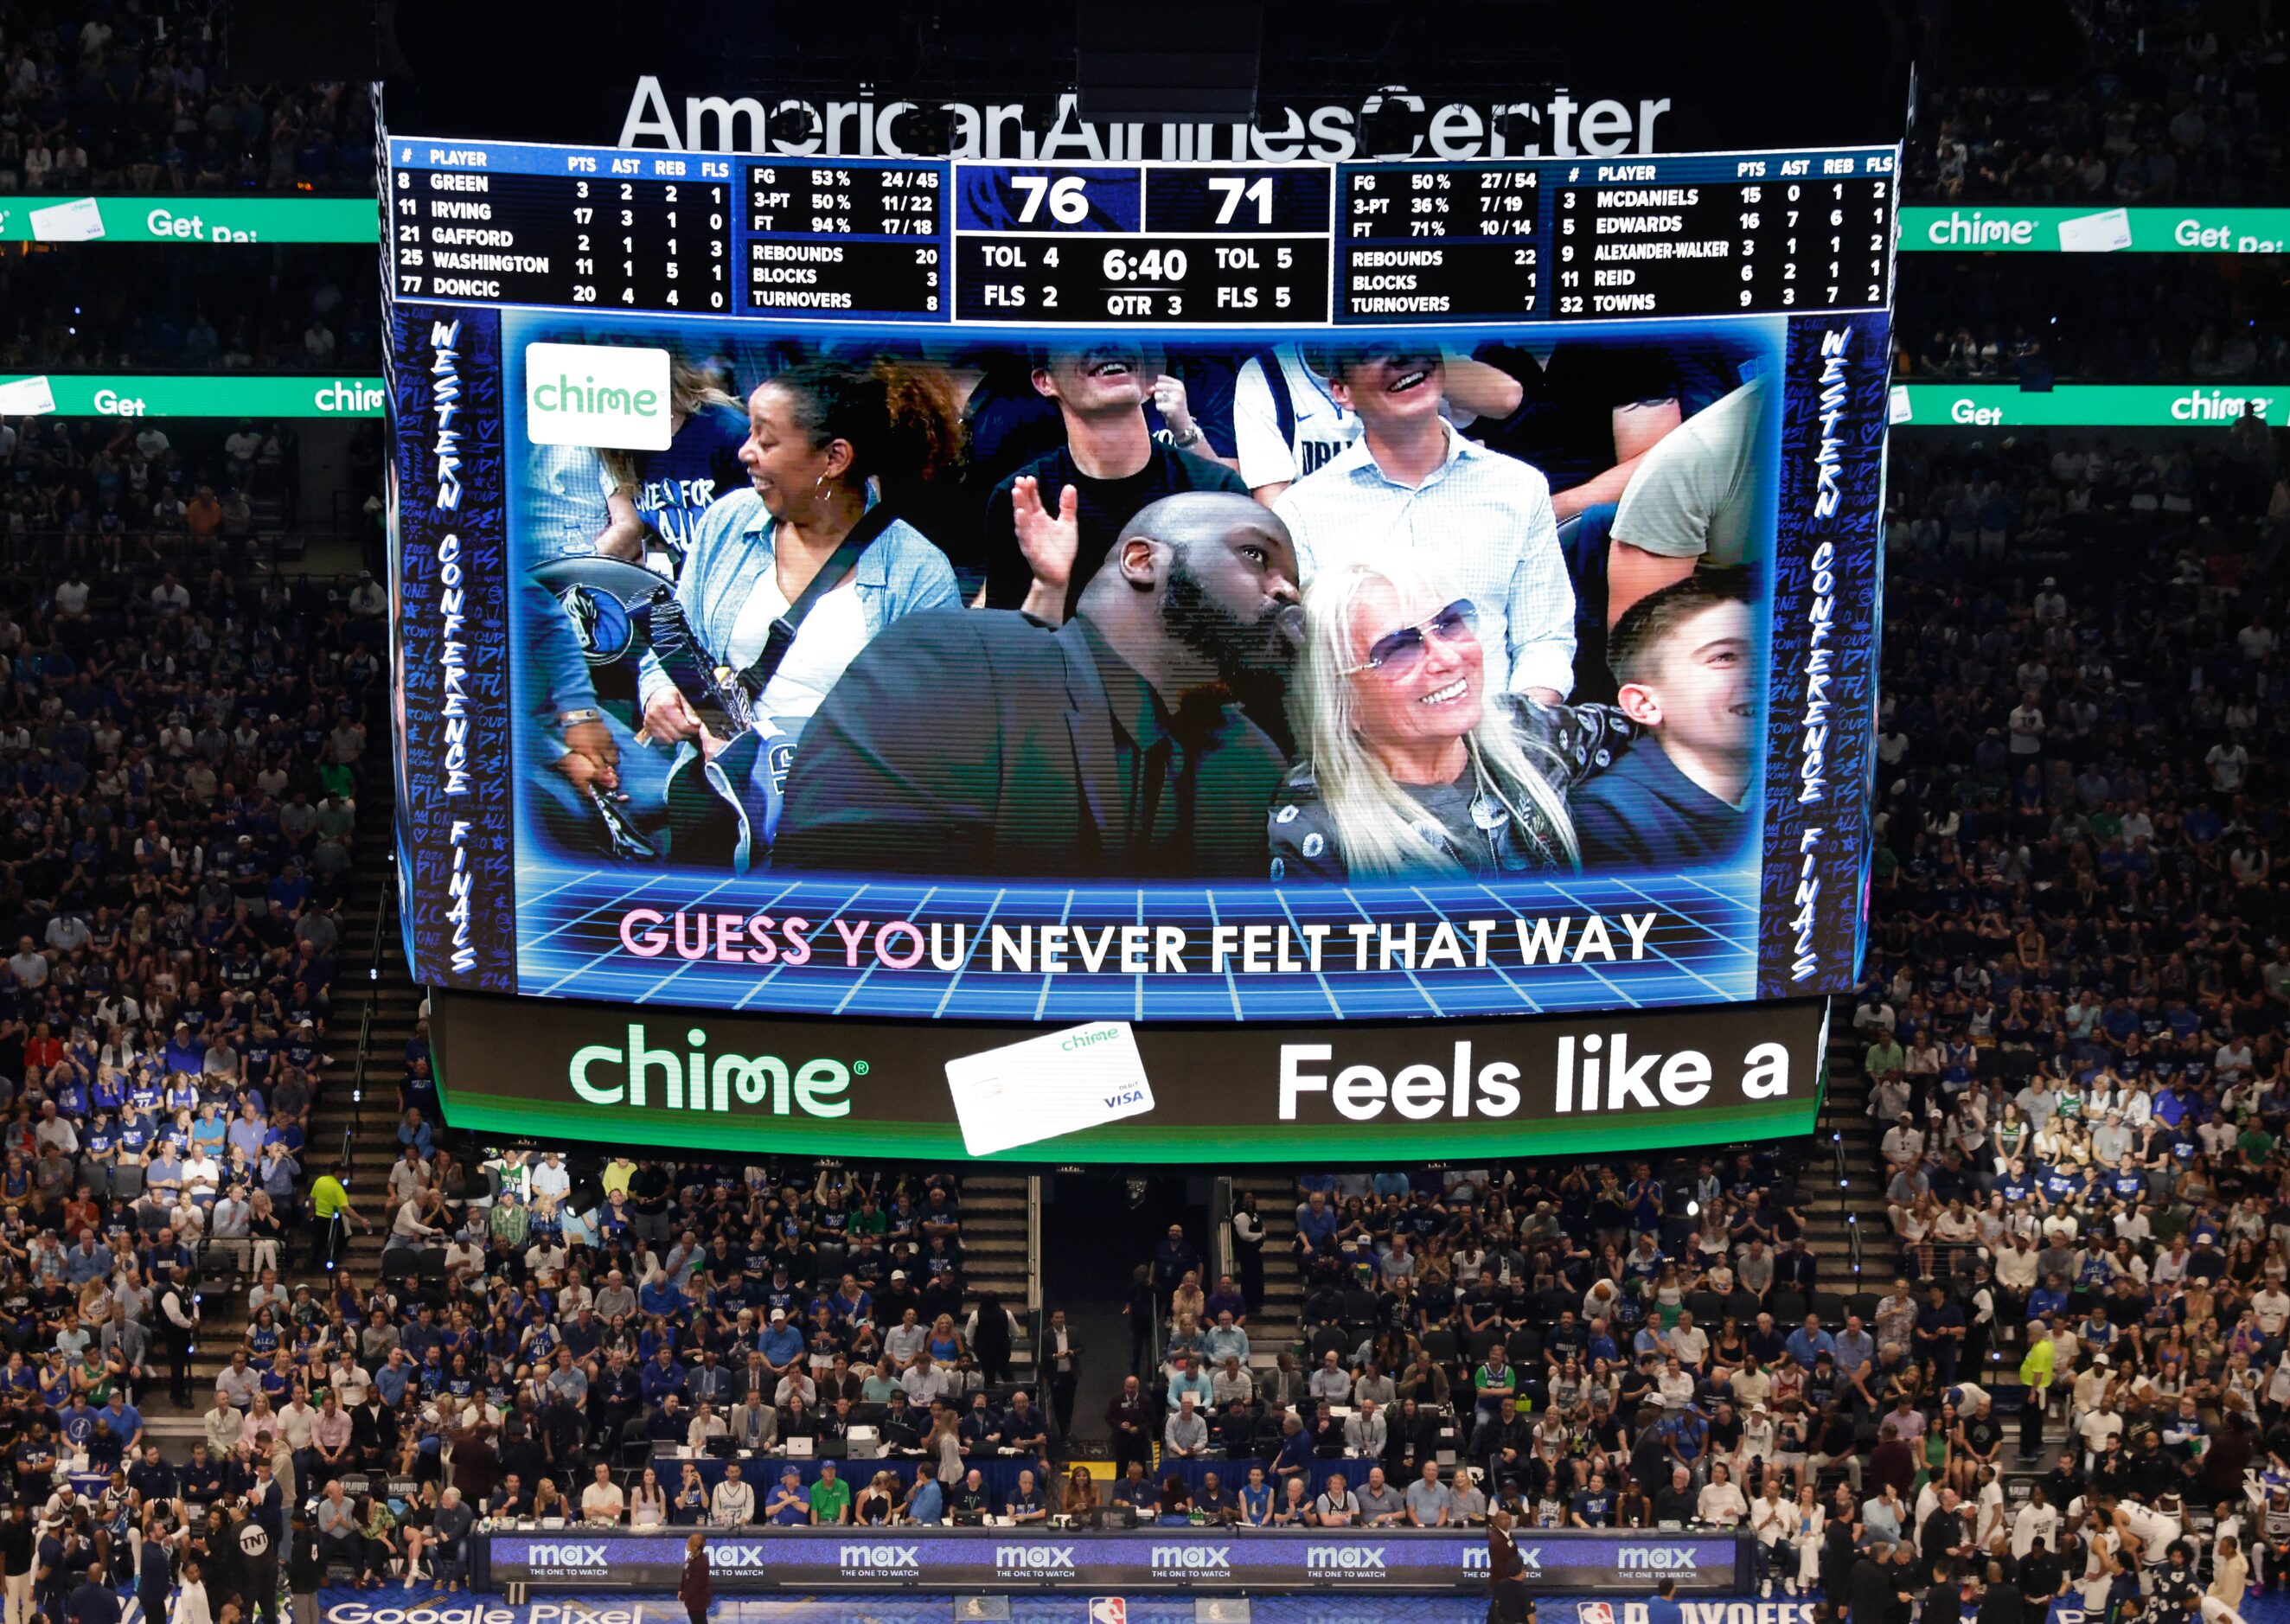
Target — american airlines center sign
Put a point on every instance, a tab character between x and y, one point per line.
1397	1560
1624	1080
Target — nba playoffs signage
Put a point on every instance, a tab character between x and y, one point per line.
1340	1090
1191	1559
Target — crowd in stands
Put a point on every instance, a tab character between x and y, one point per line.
2174	104
258	309
2072	1046
190	495
130	97
2078	975
2071	1036
2144	318
180	767
2172	505
537	1328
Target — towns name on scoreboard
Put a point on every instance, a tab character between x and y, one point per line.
1184	244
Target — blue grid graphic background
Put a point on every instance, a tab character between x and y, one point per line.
1702	948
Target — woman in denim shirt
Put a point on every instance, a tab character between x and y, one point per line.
824	442
819	435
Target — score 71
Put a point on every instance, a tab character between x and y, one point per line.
1232	191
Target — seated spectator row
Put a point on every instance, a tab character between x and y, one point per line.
112	100
2183	106
299	308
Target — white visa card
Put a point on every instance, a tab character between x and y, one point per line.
1059	1083
2105	232
26	397
76	222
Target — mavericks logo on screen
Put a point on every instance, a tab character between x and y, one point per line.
691	1079
611	396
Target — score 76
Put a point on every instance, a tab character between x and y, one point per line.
1069	201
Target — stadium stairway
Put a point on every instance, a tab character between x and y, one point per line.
994	1207
395	1002
1846	1115
1846	1147
1846	1139
1275	1324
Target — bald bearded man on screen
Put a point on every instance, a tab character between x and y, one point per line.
983	743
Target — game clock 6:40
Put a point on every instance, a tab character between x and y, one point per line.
1261	281
1153	265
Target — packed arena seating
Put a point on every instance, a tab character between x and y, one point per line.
2073	974
2147	318
2069	1044
2174	104
116	98
2070	1262
191	495
244	309
183	762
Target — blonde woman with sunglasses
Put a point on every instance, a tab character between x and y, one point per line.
1413	764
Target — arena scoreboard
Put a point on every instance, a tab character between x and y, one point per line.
998	244
792	926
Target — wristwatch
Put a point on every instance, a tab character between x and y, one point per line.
1189	438
573	718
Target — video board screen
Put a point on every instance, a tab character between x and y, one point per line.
1136	591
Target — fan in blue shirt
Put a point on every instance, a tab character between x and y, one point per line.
926	1504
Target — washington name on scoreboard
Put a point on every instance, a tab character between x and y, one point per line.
1184	244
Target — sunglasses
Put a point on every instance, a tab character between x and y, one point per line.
1395	653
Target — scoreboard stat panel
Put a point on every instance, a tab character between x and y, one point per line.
984	244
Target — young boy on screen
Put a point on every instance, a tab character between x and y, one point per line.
1685	659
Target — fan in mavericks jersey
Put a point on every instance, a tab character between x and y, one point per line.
1286	424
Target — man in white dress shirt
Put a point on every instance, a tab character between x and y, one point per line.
1410	485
